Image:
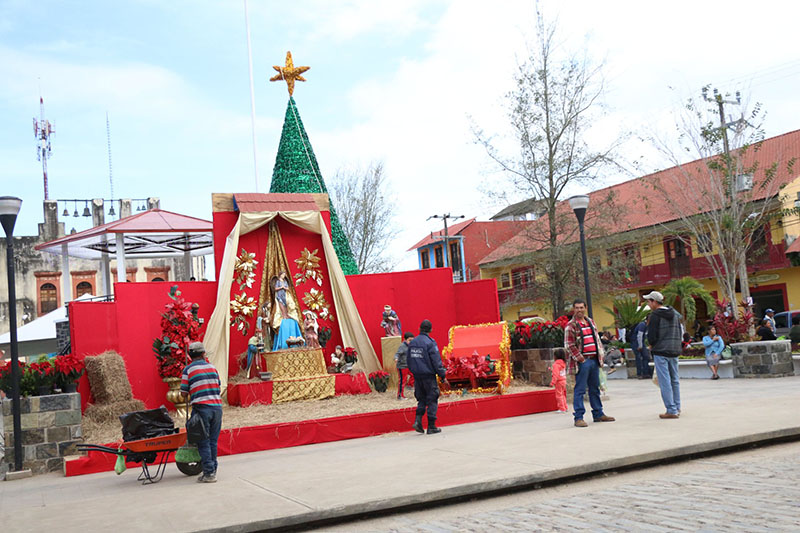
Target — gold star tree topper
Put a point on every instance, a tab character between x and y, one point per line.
289	73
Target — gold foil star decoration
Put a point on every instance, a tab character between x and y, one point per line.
289	73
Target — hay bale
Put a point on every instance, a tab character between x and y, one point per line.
103	413
108	378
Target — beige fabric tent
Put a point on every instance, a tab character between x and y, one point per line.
217	337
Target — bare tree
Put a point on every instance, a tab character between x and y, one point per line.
725	201
551	108
365	212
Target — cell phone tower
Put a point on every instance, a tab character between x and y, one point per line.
43	130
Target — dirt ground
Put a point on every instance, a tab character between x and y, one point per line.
257	415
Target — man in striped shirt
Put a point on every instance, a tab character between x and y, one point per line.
200	381
586	351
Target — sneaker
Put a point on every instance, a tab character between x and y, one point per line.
605	418
207	478
581	424
668	415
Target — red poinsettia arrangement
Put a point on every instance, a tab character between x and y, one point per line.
43	372
379	380
351	355
463	367
179	328
68	369
5	375
538	334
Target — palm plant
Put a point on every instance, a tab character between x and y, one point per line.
685	290
627	312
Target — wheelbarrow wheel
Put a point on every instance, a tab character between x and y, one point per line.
190	469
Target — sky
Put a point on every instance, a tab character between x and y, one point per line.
398	82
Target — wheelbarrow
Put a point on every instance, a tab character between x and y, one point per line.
150	452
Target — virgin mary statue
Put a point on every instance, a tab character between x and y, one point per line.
277	288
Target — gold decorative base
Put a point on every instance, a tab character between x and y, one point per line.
175	397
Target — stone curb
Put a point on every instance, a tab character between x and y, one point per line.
321	517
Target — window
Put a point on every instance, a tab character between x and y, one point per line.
522	277
455	255
48	297
84	287
437	253
425	258
505	280
704	243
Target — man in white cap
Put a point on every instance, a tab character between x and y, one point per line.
200	381
769	316
665	335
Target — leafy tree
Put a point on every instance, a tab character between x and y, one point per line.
550	110
684	291
725	200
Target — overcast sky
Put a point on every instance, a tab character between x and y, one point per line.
391	81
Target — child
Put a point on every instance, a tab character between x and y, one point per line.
559	381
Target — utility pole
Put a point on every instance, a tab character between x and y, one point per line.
731	173
444	218
43	130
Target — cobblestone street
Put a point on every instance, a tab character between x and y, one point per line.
748	491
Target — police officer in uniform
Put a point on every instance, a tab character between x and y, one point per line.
425	362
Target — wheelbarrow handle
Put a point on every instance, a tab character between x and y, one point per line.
98	448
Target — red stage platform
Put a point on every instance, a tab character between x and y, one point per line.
260	392
285	435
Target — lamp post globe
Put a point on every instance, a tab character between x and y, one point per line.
579	204
9	208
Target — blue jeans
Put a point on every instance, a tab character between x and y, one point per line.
643	363
426	391
588	376
669	382
212	416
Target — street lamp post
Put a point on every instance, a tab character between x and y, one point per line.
579	205
9	208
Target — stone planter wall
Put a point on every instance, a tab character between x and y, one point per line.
533	365
762	359
51	427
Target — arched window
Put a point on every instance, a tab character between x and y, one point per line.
48	297
84	287
157	279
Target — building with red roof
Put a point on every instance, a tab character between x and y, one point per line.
467	243
646	230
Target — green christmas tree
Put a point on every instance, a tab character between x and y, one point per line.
296	170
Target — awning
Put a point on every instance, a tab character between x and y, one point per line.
150	234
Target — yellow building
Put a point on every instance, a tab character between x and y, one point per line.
643	244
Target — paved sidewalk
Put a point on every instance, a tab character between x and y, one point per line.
299	485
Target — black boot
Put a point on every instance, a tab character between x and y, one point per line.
432	429
418	425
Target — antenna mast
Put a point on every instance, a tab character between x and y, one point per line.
42	131
108	137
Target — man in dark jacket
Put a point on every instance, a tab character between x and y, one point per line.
665	335
425	363
637	338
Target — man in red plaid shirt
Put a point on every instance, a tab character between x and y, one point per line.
586	353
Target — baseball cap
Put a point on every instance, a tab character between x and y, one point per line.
770	310
655	295
197	347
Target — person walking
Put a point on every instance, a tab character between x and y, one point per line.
200	382
714	346
665	334
586	352
640	351
401	362
425	363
